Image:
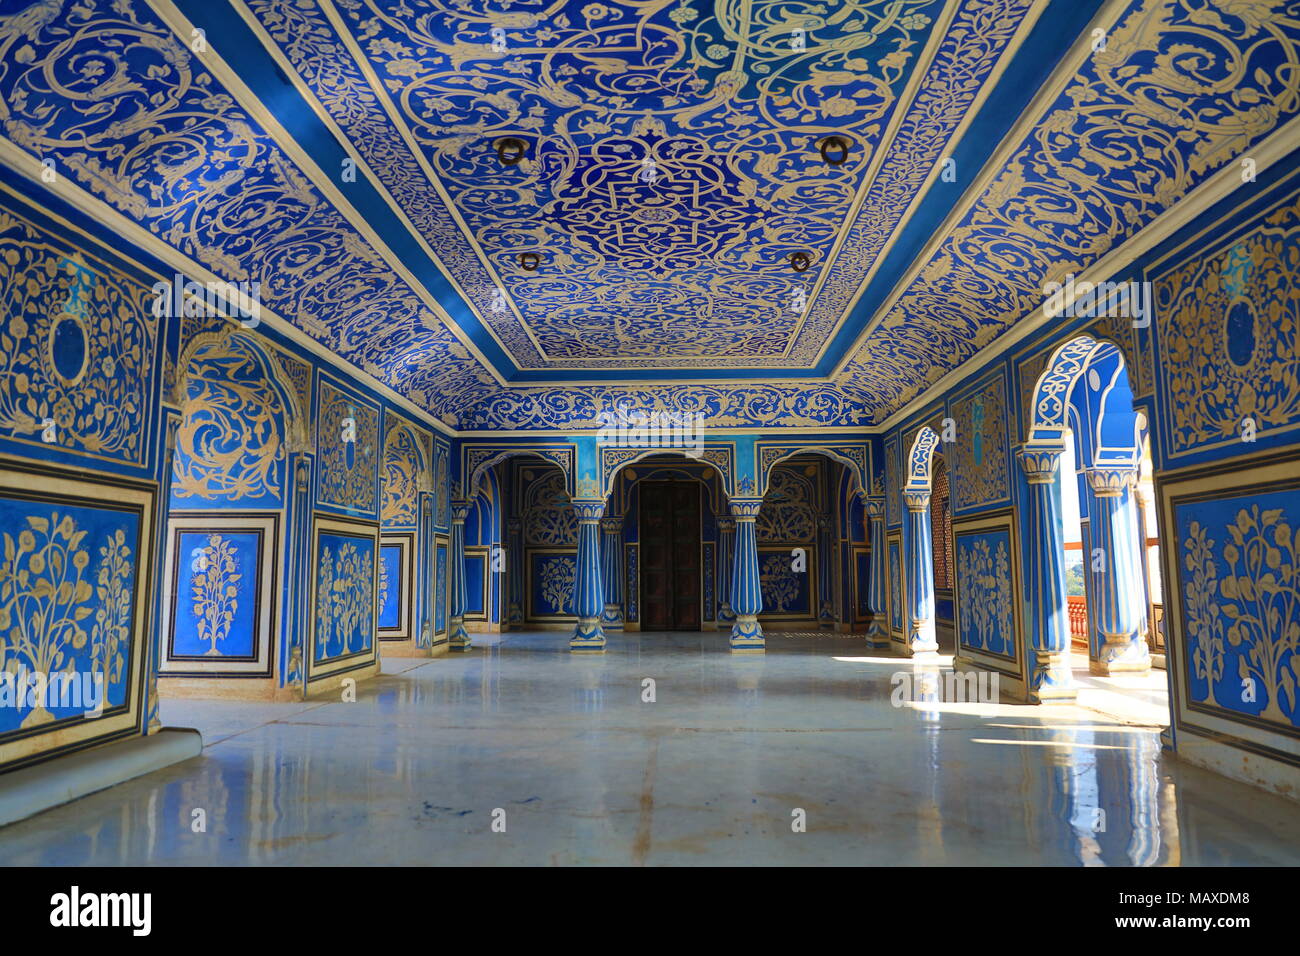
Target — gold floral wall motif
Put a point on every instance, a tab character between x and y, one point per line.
348	475
984	576
77	346
403	464
55	618
778	582
980	469
1241	602
789	511
230	445
1229	335
548	518
345	604
215	592
556	583
893	482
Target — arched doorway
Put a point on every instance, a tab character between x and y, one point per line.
1085	430
666	559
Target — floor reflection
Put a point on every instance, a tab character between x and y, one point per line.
585	767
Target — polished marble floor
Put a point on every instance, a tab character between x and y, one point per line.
582	770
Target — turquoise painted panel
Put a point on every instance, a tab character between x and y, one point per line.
984	589
391	586
344	595
218	584
67	609
1239	576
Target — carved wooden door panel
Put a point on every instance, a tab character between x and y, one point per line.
670	555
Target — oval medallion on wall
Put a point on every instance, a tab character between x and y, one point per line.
1239	333
68	347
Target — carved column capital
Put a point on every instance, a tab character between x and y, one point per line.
1039	463
459	511
916	499
589	509
611	525
726	525
875	506
1109	481
746	509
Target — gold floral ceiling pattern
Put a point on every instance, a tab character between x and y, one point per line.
671	168
673	163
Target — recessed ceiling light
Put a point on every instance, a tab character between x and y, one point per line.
800	261
529	261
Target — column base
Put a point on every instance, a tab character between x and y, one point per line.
612	619
921	639
1053	683
1121	658
747	636
459	639
877	636
588	637
726	616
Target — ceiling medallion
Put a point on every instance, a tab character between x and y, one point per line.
835	150
511	150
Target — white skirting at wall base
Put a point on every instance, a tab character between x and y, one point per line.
30	790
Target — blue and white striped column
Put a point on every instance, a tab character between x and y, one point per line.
1049	618
611	572
746	587
589	599
459	639
726	549
1117	581
878	629
920	574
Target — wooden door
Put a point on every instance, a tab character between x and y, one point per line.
670	555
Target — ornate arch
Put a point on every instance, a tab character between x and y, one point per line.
614	460
854	456
1048	414
718	506
477	459
920	460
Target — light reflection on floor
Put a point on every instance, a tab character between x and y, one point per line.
711	772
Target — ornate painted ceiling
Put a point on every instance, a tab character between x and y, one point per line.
672	168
